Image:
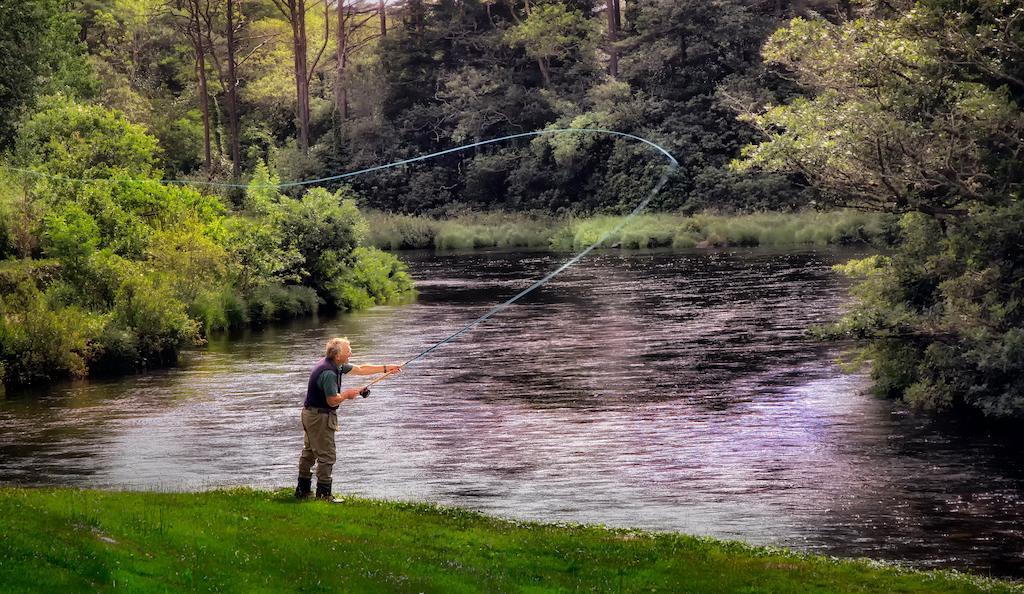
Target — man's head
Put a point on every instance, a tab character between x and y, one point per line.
338	350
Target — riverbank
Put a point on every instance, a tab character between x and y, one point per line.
517	230
247	540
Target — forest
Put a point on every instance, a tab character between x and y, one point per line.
144	144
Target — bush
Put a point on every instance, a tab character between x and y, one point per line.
376	277
77	140
279	302
70	234
148	307
41	344
140	269
324	228
942	314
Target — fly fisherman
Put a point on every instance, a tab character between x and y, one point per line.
320	414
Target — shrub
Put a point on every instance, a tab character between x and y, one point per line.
41	344
148	307
375	277
278	302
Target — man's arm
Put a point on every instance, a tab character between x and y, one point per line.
344	395
373	369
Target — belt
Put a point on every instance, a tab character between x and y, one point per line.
322	411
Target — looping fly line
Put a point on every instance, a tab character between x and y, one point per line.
672	165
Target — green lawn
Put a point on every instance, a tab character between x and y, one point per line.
255	541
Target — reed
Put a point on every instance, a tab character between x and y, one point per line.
661	230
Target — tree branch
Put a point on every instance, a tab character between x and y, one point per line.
327	37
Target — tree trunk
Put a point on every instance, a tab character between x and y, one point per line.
232	91
382	11
846	9
417	9
613	36
340	95
204	97
298	22
217	126
544	71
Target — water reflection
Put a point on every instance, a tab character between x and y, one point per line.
670	391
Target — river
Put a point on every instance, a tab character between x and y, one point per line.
661	390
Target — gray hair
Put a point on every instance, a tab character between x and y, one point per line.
335	345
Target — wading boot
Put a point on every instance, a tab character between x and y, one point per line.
304	489
323	491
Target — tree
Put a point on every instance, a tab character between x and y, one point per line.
192	26
294	12
231	88
882	129
919	114
223	43
39	53
613	12
552	32
353	17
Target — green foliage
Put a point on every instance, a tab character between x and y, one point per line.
911	115
147	306
39	53
375	277
70	235
553	32
278	302
259	254
887	128
138	269
325	228
219	310
262	194
38	343
72	139
943	314
473	72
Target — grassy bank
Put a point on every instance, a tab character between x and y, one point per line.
253	541
513	230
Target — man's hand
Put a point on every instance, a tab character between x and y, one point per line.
393	369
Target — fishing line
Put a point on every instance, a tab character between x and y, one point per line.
672	165
306	182
553	274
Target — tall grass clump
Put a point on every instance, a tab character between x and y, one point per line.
467	231
399	231
710	230
658	230
495	230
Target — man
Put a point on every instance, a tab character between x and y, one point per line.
320	416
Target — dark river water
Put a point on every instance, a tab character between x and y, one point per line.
661	390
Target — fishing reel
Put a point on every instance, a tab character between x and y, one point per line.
365	392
